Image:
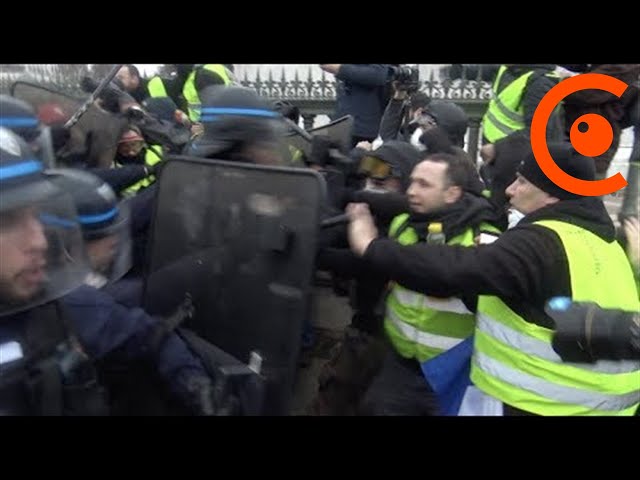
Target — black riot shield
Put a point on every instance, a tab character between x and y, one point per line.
96	132
339	131
240	240
51	106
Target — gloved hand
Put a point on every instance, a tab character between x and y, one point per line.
59	136
110	100
135	113
209	399
201	390
155	169
320	150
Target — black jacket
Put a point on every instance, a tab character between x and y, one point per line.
391	124
359	92
525	267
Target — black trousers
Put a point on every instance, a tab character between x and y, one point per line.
400	389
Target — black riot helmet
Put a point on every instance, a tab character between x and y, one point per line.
21	118
18	116
100	215
239	125
21	178
98	207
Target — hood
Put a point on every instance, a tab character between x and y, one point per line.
402	157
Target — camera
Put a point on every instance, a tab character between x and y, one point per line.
407	77
587	333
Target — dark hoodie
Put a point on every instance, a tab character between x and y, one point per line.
402	157
525	267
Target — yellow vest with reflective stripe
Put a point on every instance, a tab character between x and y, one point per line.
156	88
297	155
150	159
514	361
505	113
191	94
421	326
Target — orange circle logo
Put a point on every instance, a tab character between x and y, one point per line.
591	135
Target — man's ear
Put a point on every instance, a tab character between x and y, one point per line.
452	194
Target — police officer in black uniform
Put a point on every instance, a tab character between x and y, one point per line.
44	369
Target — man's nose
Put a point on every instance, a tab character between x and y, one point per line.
35	241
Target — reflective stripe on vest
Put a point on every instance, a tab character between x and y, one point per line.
558	393
514	360
156	88
421	326
505	113
539	348
413	299
190	92
423	338
150	159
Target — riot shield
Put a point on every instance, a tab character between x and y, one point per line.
339	131
96	132
51	106
240	240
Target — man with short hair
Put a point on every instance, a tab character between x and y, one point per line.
445	206
129	79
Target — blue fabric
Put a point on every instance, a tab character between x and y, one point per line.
104	325
359	94
449	376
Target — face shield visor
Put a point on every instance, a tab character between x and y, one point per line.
42	254
35	134
107	236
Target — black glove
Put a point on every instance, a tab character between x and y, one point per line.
212	399
201	390
135	114
111	100
168	324
155	169
59	136
320	150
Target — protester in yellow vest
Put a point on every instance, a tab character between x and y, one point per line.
132	149
632	237
565	245
201	77
446	207
517	91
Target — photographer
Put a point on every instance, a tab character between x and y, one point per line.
404	107
360	92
